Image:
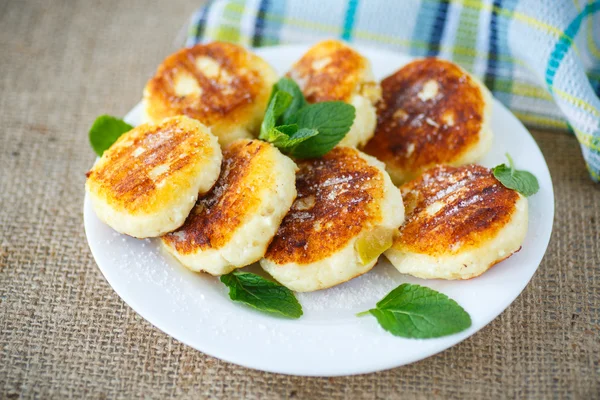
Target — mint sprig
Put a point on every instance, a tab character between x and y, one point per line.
414	311
290	141
523	182
290	87
301	130
262	294
105	131
332	120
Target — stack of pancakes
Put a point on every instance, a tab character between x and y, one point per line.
196	176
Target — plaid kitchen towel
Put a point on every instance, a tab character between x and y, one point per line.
541	58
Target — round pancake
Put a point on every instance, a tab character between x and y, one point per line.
220	84
147	182
333	71
232	225
343	198
432	112
460	221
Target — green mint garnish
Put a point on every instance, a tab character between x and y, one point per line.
414	311
278	103
286	141
332	119
301	130
105	131
262	294
523	182
290	87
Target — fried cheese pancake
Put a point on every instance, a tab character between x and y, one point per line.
346	210
147	182
332	71
460	221
232	225
432	112
222	85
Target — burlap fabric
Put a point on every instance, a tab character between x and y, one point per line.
65	333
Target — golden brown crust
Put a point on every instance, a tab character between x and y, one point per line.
453	208
417	128
237	193
133	173
224	92
329	71
338	196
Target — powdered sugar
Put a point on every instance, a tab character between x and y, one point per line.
337	180
145	261
361	292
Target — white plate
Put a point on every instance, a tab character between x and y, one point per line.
328	340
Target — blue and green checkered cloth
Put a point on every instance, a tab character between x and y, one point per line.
541	58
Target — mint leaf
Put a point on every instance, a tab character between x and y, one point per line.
262	294
523	182
282	136
303	133
105	131
301	130
290	87
279	102
285	137
287	141
332	119
414	311
288	129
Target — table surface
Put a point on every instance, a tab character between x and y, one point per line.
65	333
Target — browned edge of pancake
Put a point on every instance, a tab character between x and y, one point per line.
218	214
341	72
338	196
218	98
411	133
473	207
